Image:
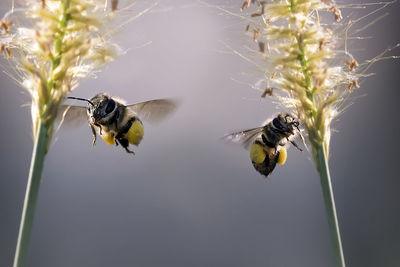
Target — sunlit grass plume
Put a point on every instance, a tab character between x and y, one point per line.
50	46
301	51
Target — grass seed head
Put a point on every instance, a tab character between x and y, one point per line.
51	45
301	57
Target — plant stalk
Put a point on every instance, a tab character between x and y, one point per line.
31	195
323	169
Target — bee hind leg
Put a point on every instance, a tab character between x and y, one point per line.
129	151
125	144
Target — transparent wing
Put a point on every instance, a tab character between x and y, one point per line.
72	116
244	138
155	111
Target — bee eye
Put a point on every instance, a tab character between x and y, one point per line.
277	123
110	106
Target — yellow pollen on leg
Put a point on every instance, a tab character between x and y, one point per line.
282	156
108	137
257	153
135	133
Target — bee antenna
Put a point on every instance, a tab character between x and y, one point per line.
81	99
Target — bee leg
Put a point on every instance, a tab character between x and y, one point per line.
99	129
295	145
125	144
129	151
94	134
116	141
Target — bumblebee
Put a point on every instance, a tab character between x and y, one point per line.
267	143
116	122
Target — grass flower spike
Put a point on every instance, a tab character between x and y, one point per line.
304	68
64	44
51	45
302	58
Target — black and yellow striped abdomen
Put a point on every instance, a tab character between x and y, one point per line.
264	159
133	133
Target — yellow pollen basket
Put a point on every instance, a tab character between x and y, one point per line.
257	153
108	137
282	156
135	133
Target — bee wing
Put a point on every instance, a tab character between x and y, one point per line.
72	116
154	111
245	137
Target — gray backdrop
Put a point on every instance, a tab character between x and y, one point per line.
186	199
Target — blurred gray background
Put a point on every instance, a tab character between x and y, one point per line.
185	198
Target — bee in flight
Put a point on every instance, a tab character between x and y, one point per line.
268	142
116	122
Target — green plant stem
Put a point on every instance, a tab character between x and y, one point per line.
31	196
323	169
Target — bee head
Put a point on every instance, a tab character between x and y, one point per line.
102	109
286	123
